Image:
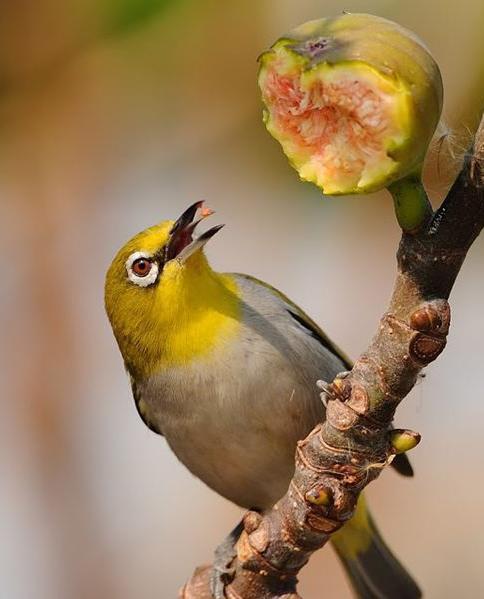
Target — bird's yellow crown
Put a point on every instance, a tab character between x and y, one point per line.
166	305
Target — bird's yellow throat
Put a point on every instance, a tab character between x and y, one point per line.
186	315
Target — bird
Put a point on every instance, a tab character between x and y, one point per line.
224	366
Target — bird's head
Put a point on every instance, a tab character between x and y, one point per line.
157	280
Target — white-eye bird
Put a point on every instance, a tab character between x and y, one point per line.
225	368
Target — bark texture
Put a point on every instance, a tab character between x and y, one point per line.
328	476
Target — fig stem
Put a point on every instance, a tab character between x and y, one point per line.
412	206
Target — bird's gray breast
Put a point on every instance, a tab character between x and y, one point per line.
234	416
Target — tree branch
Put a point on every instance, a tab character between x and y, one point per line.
329	477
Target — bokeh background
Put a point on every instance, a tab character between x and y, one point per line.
115	114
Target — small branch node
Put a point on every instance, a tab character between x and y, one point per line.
340	416
359	400
259	539
432	317
425	349
432	321
319	495
402	440
251	521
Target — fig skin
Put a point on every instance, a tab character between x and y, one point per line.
388	52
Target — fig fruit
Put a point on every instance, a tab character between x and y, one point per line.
353	100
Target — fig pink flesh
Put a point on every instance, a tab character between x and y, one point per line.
341	125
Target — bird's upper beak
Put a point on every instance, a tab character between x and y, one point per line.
181	244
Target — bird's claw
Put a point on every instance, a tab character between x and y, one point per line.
324	387
222	573
342	375
220	577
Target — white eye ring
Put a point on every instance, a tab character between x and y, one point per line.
148	279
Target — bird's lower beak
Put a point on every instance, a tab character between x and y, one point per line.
181	244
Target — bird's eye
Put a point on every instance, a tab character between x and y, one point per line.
142	269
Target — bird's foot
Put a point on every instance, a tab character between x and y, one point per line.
343	375
324	387
222	573
220	577
331	390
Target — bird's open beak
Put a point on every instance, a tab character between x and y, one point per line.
181	244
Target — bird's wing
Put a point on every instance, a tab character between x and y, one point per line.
305	321
400	463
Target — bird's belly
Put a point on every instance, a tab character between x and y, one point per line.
248	472
237	435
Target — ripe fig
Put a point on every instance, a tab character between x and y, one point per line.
353	100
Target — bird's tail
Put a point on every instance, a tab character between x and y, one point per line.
375	573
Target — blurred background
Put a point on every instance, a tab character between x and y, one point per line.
115	114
